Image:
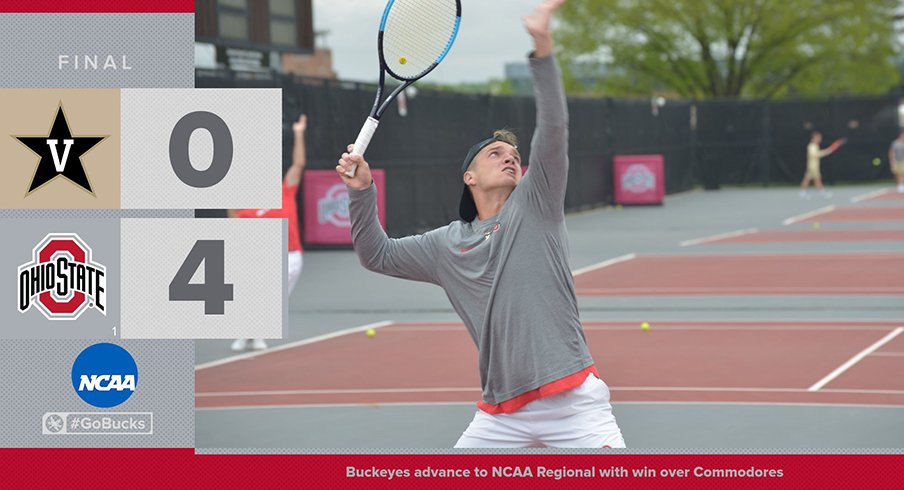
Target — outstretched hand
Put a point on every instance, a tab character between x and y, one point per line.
537	25
301	124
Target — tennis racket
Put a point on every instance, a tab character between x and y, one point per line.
414	37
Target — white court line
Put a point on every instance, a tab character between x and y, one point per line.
311	340
335	405
889	354
870	322
779	404
753	390
801	217
368	391
471	404
839	324
444	328
665	326
350	391
862	392
605	263
722	236
732	325
869	195
729	328
854	360
741	290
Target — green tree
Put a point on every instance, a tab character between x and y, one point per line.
730	48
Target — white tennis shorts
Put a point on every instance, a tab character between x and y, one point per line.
578	418
295	263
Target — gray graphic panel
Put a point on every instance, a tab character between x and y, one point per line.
41	408
97	50
161	293
201	148
30	214
48	289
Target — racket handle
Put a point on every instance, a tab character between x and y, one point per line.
367	132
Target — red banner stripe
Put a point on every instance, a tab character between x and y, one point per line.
182	468
97	6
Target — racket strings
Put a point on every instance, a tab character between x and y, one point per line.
417	34
416	39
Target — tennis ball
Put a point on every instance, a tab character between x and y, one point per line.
645	326
370	332
877	161
618	206
403	60
816	225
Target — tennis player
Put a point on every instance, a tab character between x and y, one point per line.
814	155
504	267
289	210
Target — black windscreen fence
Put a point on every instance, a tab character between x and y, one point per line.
704	143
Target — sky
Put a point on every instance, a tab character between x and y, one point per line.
490	35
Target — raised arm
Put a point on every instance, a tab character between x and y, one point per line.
299	155
832	148
412	257
548	169
537	25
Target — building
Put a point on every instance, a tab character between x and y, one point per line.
252	38
519	75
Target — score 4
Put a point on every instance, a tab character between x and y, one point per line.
203	278
214	291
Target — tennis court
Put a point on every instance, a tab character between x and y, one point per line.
767	332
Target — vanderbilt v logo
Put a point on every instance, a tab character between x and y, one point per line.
52	164
60	166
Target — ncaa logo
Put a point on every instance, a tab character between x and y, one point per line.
104	375
62	280
333	207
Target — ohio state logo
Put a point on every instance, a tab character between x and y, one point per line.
62	280
638	179
333	207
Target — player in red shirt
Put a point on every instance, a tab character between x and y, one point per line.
289	211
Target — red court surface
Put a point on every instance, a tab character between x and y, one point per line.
858	214
788	236
772	274
842	362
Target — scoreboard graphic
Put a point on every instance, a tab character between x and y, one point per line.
105	275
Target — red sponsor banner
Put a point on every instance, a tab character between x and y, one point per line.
141	468
326	219
97	6
639	179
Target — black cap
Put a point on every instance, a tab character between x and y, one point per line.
467	209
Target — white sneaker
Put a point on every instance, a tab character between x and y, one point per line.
239	345
901	189
804	195
258	344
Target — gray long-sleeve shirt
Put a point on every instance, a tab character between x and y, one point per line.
507	276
